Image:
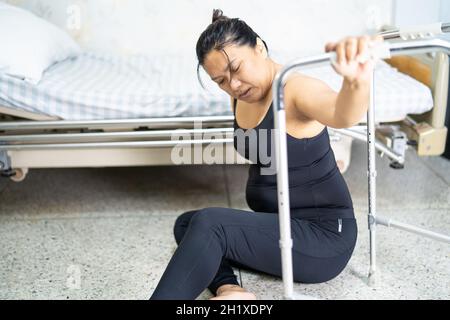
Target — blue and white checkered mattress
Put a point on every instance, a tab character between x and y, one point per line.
98	86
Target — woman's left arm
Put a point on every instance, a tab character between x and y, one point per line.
314	99
354	64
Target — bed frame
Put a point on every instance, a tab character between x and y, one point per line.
29	140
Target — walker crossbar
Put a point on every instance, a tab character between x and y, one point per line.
400	48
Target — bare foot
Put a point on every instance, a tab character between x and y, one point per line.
341	165
233	292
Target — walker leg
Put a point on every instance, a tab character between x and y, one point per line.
373	265
371	182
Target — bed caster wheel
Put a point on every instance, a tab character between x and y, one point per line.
20	174
397	165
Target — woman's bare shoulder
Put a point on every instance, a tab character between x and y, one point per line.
300	87
299	80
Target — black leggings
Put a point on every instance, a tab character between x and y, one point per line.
212	240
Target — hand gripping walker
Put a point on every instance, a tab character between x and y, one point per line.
382	51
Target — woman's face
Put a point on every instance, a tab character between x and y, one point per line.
244	74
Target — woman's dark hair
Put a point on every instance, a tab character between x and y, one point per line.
222	32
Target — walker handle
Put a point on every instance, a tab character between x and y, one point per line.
376	52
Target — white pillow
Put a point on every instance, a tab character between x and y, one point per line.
29	44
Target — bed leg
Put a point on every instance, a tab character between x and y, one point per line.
5	164
396	165
8	172
395	139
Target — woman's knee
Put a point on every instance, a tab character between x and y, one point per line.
207	218
181	224
204	219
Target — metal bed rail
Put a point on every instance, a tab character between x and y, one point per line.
129	133
59	135
174	122
160	134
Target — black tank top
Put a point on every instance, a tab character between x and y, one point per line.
316	186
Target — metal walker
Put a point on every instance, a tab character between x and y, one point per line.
384	51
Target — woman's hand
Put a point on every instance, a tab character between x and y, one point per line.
353	61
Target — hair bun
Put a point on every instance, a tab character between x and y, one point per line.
218	15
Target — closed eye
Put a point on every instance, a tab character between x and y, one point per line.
233	71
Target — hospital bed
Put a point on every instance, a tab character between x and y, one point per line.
100	110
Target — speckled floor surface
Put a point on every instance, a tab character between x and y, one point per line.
107	233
